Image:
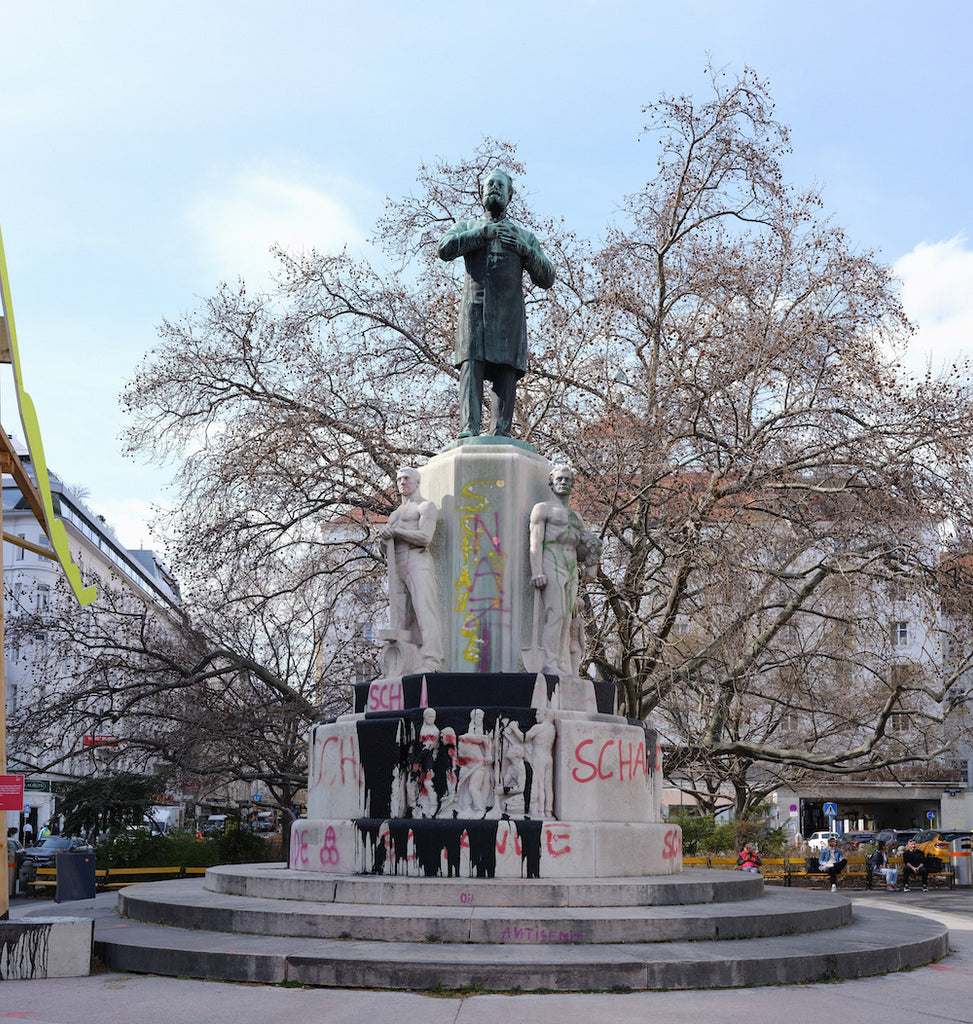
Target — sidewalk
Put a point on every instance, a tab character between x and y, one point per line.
940	992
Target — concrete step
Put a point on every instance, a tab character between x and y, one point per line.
187	904
277	881
877	941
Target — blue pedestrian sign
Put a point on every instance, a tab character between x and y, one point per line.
931	815
831	810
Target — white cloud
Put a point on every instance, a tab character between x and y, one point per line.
237	224
937	292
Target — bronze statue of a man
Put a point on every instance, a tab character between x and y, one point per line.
491	336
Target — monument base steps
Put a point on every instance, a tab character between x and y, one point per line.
702	930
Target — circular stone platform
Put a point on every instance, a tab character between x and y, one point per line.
707	929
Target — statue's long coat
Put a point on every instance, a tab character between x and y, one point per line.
492	322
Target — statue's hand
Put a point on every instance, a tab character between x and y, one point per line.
490	231
511	239
386	533
539	581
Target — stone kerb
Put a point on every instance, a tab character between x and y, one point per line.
45	947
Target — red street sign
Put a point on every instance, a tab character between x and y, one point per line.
101	741
11	792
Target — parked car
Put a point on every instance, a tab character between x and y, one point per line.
15	851
935	842
42	855
895	838
860	837
819	840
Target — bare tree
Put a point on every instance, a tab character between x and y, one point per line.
721	371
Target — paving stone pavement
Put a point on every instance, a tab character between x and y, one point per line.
937	993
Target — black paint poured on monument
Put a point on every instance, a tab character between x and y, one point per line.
469	689
380	755
389	751
529	834
439	836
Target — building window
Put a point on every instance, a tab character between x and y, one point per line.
789	721
19	557
367	631
900	634
43	597
899	721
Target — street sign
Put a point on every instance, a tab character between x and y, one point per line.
831	810
11	792
931	815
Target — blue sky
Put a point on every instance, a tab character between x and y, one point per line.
151	150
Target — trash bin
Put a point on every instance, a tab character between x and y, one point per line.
961	858
75	877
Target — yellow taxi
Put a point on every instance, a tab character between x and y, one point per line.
935	842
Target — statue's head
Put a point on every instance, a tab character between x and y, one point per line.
561	479
407	481
495	191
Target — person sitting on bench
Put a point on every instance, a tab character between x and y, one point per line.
832	861
914	863
880	865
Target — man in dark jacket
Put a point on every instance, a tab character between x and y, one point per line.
491	336
914	863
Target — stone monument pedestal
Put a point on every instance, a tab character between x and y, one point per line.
485	769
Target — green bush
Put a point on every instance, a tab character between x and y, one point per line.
139	848
701	836
241	846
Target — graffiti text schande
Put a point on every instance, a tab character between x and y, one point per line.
558	837
672	844
386	696
600	761
347	766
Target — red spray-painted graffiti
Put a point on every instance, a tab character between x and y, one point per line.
386	696
330	857
347	769
629	764
672	844
558	841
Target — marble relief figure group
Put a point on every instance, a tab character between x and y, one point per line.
504	773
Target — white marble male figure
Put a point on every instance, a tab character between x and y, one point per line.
413	594
558	544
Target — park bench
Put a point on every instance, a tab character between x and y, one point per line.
114	878
788	870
